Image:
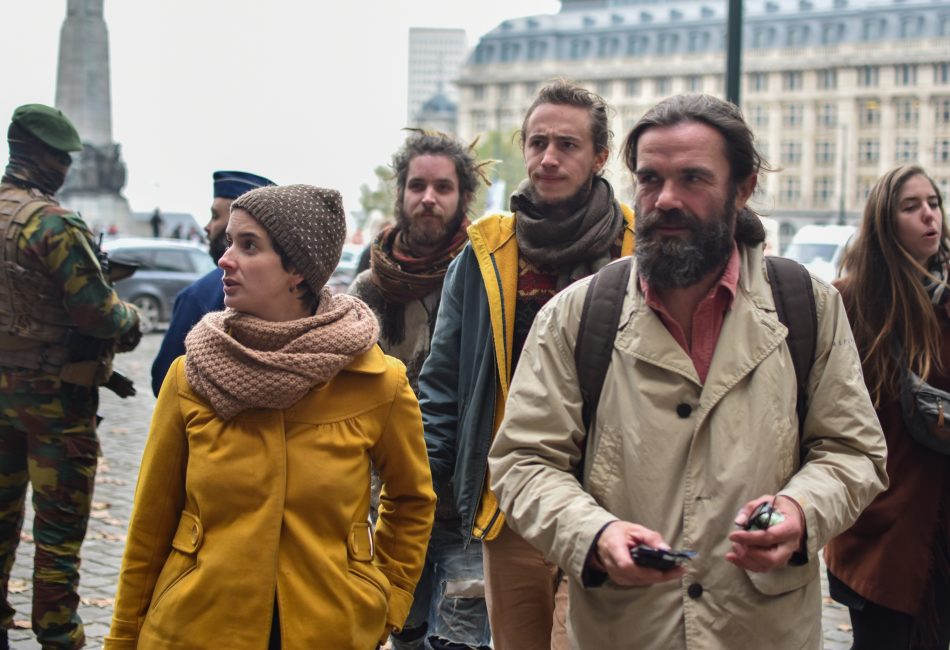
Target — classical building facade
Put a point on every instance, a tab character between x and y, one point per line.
837	91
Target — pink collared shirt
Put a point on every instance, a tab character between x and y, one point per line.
707	319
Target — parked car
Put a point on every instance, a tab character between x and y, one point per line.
345	271
819	248
166	266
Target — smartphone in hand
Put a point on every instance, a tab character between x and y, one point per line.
655	558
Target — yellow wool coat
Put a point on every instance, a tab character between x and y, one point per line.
271	506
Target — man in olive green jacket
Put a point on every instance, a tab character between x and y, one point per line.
697	421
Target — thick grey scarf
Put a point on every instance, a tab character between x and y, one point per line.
577	245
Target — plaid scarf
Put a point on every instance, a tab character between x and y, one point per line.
402	278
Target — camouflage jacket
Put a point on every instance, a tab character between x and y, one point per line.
57	244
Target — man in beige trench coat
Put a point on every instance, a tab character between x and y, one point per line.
697	421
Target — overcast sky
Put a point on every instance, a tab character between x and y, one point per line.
300	91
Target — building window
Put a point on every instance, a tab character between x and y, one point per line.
824	153
510	51
480	121
827	115
872	29
631	87
580	48
504	91
868	76
608	47
824	190
695	83
905	74
790	189
792	115
763	148
942	74
698	41
906	150
797	35
869	150
637	45
942	152
759	116
943	110
668	43
478	92
791	152
908	112
944	29
603	88
763	37
943	184
832	33
827	79
759	81
864	186
912	26
537	50
792	80
528	88
869	113
663	85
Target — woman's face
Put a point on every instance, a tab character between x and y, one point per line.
255	281
919	220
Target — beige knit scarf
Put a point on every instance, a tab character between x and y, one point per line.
237	361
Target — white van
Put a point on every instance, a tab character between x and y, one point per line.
820	248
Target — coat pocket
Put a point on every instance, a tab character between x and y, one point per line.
369	588
781	581
183	558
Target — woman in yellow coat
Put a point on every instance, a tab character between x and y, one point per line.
250	525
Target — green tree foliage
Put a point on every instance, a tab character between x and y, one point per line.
506	149
379	198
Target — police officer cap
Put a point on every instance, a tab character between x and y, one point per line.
230	185
48	125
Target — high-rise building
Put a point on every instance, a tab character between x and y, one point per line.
435	60
836	91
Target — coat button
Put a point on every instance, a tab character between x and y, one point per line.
683	410
695	590
194	534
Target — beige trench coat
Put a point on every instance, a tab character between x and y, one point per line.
687	477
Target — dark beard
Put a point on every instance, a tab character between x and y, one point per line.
217	246
416	237
678	262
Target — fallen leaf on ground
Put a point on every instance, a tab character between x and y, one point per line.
17	586
98	602
22	625
100	505
844	627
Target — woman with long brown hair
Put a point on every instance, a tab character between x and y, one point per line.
892	568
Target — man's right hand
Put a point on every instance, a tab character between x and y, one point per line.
613	555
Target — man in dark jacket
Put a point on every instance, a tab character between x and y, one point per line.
566	225
205	294
436	179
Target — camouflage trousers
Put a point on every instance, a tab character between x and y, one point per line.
48	439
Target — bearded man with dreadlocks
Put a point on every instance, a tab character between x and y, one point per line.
55	299
436	179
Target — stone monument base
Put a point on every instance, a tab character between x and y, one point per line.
106	213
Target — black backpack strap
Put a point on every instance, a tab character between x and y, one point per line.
596	332
796	309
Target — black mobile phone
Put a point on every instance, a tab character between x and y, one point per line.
656	558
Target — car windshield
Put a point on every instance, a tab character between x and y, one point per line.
807	253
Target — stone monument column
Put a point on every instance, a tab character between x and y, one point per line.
83	92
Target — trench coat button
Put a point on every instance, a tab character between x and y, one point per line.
194	534
695	590
683	410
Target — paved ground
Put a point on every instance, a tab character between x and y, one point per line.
122	435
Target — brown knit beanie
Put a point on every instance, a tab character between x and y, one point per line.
307	222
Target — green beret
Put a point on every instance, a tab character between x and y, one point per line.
48	125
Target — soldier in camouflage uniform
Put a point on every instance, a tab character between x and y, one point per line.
55	306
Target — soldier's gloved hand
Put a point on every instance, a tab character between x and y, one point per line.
128	341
